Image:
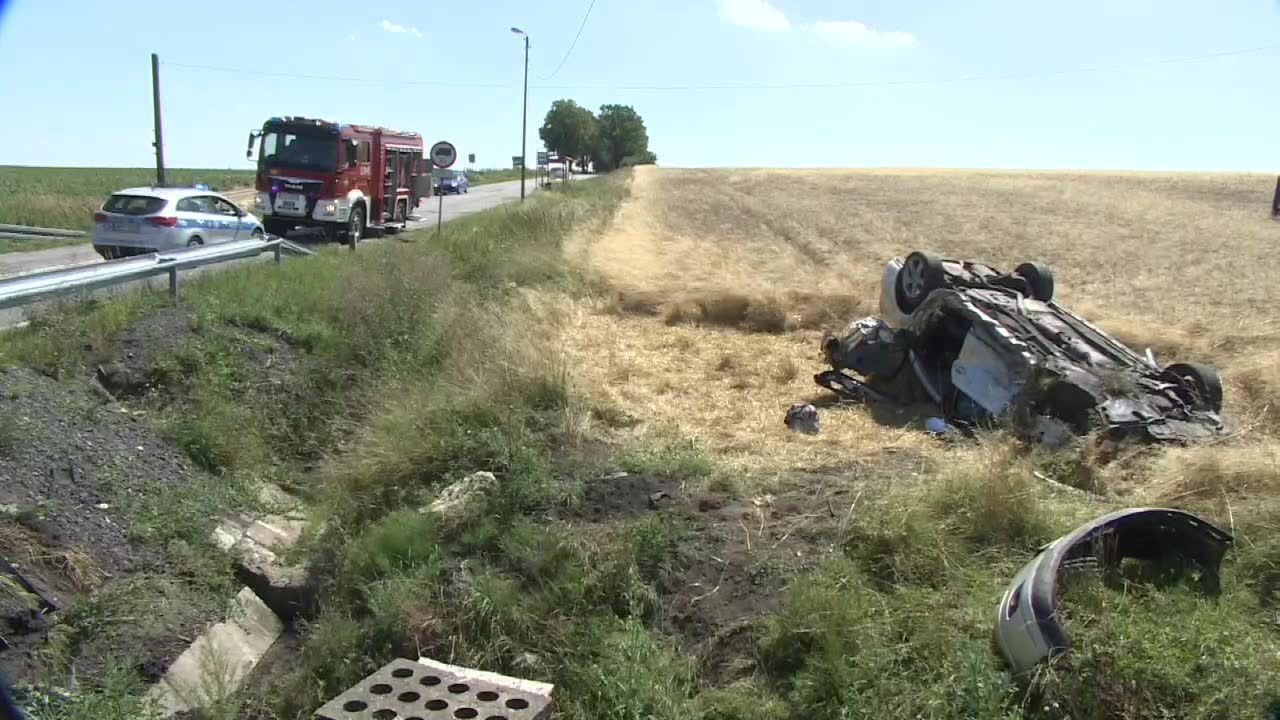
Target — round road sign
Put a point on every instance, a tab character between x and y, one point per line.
444	154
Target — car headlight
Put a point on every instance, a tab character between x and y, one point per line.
330	208
261	201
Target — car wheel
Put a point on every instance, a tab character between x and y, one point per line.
195	242
355	225
1202	380
920	275
257	234
1039	279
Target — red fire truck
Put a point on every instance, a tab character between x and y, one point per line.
344	179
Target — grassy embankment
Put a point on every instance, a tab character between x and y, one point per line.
417	363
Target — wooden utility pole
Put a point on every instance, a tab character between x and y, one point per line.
155	101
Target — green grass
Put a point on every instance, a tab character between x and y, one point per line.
493	175
67	197
675	459
899	622
409	365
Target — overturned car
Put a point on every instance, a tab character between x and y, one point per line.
985	346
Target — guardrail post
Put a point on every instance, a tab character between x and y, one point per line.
277	253
173	284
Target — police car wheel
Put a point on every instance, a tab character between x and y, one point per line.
195	242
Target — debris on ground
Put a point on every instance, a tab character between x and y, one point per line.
458	497
802	417
943	430
658	498
257	546
1028	620
988	347
426	688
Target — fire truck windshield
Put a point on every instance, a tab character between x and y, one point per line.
301	151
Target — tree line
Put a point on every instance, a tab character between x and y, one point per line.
614	138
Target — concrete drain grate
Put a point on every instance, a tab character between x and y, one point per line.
427	690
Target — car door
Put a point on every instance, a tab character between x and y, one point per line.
225	217
193	215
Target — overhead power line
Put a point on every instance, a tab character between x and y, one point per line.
333	78
573	44
772	86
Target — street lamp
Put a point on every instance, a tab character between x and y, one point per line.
524	119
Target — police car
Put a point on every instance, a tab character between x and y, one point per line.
148	219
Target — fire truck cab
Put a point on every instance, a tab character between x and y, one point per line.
344	179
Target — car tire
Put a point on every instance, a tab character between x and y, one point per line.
920	275
356	225
195	242
1039	279
1201	379
258	234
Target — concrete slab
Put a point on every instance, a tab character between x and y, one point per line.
257	546
216	664
428	689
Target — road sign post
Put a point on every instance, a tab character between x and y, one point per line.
443	155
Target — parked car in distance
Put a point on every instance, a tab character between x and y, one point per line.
453	182
143	220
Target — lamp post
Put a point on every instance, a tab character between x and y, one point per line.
524	113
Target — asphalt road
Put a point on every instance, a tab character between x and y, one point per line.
481	197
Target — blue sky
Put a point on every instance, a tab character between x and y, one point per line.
75	78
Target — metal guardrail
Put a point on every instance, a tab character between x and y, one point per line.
26	232
28	288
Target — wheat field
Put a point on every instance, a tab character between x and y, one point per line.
715	286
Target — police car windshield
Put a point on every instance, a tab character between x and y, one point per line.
294	150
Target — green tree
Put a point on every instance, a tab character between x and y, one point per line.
569	130
621	138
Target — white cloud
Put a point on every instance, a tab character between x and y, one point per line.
754	15
852	33
397	28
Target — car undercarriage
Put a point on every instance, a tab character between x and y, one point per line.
987	348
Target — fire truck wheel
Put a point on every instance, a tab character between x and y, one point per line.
355	226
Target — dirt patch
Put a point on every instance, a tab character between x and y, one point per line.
67	461
739	559
132	373
622	495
